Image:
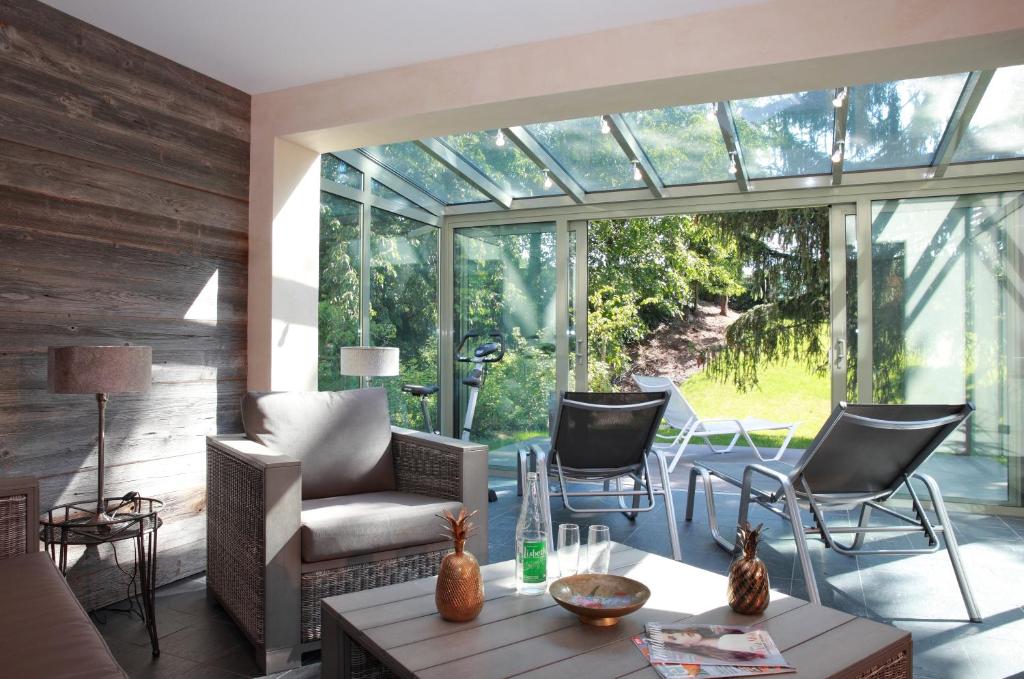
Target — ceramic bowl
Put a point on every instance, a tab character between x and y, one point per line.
599	599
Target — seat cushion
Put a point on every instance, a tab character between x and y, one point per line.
336	527
342	438
44	632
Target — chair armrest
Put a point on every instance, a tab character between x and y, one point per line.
439	466
19	515
253	548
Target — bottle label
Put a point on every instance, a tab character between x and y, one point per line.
535	561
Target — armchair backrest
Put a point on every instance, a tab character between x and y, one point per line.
866	449
606	433
679	413
341	438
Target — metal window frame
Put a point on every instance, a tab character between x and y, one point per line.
967	104
727	123
451	159
536	152
631	147
842	115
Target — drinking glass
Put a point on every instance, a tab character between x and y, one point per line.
599	549
568	549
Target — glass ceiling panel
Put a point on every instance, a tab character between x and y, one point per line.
335	169
684	143
506	165
422	169
593	159
378	189
785	135
996	131
899	123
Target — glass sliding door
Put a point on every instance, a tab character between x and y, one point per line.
946	327
505	281
339	304
403	306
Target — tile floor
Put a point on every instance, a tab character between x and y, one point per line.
916	593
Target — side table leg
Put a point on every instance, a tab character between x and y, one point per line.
147	573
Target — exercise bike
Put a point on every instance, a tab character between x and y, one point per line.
481	357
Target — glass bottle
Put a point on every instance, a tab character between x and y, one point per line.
531	541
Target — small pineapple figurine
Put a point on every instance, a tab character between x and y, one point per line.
748	576
460	589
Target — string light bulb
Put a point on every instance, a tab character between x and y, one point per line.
837	101
606	128
547	179
637	174
837	154
733	169
712	113
499	139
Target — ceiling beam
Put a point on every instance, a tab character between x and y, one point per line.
732	144
842	115
631	147
462	167
394	181
522	138
966	105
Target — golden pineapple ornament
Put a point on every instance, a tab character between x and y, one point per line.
748	576
460	589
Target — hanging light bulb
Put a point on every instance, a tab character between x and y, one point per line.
713	112
637	174
605	126
732	163
837	101
837	154
499	139
547	179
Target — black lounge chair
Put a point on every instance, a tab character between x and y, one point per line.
605	438
861	456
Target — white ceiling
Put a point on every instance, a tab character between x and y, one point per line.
265	45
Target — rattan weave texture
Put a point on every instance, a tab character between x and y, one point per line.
427	470
235	544
364	665
897	667
13	518
318	585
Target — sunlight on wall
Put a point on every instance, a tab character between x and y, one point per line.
204	307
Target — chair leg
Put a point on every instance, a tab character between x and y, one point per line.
670	510
691	490
951	546
679	451
865	519
785	444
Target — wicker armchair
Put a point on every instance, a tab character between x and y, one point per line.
258	561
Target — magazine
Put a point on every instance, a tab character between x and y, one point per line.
709	645
684	671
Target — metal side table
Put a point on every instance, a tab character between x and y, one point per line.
137	520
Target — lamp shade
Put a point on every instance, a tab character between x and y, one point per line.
100	370
369	361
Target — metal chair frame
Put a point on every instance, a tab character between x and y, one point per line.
793	489
642	485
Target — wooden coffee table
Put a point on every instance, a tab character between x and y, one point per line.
395	631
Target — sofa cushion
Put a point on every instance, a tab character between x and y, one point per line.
336	527
44	632
342	438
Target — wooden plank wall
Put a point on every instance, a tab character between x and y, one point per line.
124	182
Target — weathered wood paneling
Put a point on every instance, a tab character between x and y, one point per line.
124	183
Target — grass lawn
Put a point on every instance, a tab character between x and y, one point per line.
787	392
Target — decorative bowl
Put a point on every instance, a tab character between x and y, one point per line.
599	599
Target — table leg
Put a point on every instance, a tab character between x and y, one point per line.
147	573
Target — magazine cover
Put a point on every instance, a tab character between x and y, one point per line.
713	645
683	671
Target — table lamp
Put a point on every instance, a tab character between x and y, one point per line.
101	371
367	362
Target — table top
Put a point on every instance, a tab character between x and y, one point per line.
75	523
534	637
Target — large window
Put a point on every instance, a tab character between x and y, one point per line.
338	314
947	327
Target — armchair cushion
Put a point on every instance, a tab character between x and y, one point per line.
342	438
336	527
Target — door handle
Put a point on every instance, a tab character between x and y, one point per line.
839	355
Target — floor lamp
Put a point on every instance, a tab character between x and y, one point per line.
100	371
367	362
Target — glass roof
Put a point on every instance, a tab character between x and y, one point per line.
996	131
899	123
785	135
890	125
593	158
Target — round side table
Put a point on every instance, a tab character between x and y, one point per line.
137	520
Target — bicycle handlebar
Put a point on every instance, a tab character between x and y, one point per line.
483	353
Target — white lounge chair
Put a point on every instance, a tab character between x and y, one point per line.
681	415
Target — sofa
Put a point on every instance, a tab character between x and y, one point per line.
322	496
44	631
